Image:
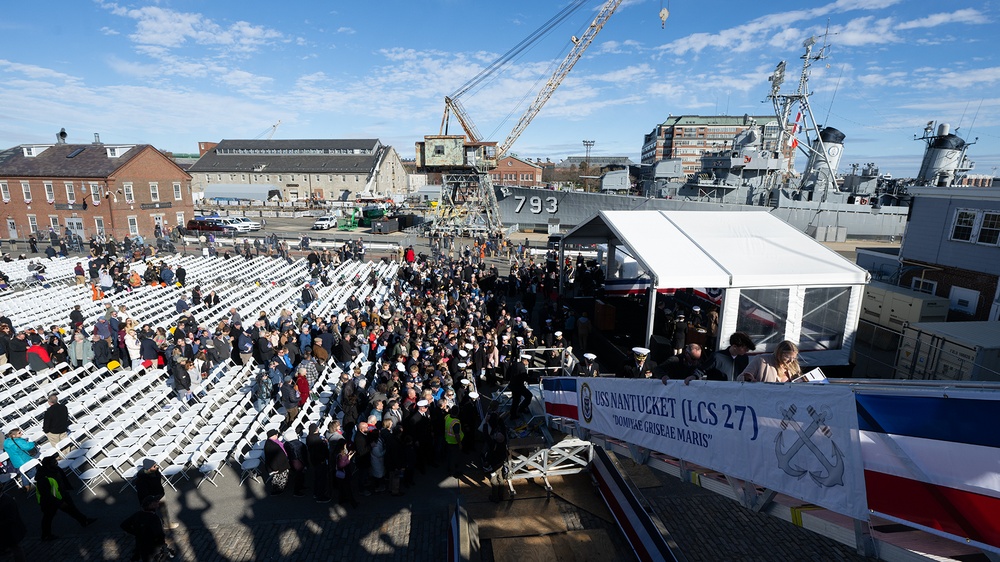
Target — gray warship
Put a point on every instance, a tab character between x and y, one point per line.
755	176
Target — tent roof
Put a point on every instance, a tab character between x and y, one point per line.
239	190
719	249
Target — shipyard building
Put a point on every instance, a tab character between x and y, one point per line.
298	170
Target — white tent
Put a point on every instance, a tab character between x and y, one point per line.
763	264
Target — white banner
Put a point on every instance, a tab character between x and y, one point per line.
801	440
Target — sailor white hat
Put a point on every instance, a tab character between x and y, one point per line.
590	356
640	351
422	404
474	395
525	356
558	334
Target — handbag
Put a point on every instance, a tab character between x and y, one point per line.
341	474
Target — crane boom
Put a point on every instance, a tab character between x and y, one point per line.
579	46
452	105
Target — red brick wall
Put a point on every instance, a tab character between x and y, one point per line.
148	166
985	283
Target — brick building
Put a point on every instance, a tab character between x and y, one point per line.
952	249
689	136
511	170
119	189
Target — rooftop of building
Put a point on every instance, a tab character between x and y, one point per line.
291	156
66	160
686	120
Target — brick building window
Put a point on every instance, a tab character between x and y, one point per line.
177	191
133	226
32	223
129	194
154	192
99	224
50	192
26	190
70	192
4	191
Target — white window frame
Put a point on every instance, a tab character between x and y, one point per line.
923	286
50	191
32	224
129	192
99	225
954	224
54	222
133	225
26	191
958	294
178	193
4	191
180	218
980	221
978	218
154	192
70	192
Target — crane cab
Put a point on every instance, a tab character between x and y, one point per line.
442	152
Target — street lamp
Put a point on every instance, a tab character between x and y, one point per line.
588	144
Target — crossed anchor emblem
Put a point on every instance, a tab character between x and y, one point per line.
834	469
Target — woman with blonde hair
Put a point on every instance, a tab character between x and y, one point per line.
780	366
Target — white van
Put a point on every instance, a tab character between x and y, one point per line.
325	223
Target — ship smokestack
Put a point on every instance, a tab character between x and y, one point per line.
824	159
944	158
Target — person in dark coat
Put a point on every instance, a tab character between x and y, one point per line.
518	376
276	462
319	463
148	483
298	459
12	528
469	415
52	490
102	351
17	351
147	528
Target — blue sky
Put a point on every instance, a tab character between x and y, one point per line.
173	73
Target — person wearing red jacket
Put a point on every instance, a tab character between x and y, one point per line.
302	384
38	357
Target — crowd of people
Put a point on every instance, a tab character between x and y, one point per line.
408	395
411	366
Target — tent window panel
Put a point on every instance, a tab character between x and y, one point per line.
762	316
824	318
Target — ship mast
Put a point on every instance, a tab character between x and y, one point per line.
783	104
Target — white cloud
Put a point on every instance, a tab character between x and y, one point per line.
163	27
346	30
108	31
968	16
864	31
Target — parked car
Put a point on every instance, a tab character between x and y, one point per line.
237	225
325	223
254	225
209	225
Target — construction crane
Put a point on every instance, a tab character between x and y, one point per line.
468	201
269	131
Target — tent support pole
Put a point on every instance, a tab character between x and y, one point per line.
651	309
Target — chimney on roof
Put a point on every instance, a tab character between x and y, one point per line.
97	138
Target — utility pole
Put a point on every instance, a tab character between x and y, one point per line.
588	144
